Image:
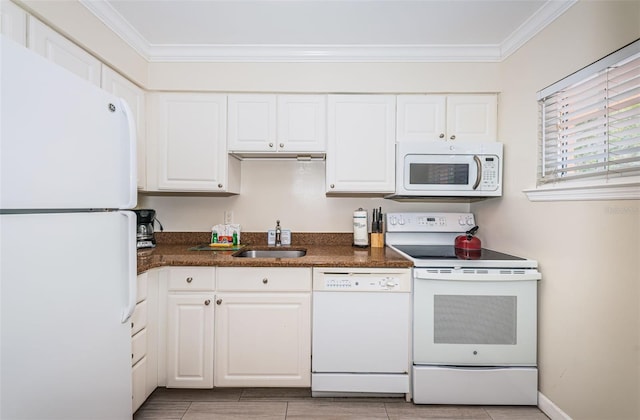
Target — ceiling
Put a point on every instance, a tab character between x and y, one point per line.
326	30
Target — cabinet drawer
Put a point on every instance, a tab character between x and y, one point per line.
297	279
141	290
139	318
139	382
138	346
191	278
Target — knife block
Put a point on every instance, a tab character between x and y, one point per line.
377	240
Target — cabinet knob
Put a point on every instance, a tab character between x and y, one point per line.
441	135
332	186
270	144
265	280
219	185
207	302
281	145
453	137
132	325
219	302
189	279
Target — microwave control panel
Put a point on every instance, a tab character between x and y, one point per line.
490	173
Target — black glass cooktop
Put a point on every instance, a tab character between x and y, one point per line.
438	252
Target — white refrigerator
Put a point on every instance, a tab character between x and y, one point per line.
67	245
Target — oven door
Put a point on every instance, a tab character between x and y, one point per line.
475	317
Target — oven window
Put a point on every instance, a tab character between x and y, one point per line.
438	174
470	319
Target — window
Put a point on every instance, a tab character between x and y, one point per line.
590	126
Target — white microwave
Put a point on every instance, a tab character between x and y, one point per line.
448	169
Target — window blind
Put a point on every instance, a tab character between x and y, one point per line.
591	127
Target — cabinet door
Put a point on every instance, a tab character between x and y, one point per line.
421	117
252	123
55	47
302	123
190	129
13	22
472	117
360	143
263	339
114	83
190	341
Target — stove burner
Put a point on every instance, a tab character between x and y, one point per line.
439	252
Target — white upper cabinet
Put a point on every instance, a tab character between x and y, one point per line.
471	117
275	125
13	22
114	83
55	47
360	144
187	145
252	122
421	117
302	123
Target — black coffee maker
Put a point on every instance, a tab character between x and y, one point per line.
146	219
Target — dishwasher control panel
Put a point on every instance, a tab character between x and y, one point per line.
398	281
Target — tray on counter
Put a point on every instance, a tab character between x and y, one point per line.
216	247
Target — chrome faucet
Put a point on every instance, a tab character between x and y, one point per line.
278	234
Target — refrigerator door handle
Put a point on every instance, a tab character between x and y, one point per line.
133	162
132	266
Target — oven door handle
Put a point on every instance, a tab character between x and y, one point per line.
479	173
529	275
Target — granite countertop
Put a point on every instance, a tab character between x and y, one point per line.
323	250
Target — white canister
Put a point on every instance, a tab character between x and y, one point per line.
360	224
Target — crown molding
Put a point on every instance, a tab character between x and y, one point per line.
323	53
549	12
103	10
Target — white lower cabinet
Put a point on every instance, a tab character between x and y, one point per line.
263	327
189	327
139	383
144	348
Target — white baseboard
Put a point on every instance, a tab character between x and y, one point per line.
550	409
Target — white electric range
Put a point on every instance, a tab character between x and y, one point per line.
474	315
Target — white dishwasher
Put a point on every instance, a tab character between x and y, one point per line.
361	331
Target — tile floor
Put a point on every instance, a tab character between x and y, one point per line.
297	403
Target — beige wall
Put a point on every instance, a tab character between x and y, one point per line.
290	191
325	77
589	300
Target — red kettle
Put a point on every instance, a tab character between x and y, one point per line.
468	241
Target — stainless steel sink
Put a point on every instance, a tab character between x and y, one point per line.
271	253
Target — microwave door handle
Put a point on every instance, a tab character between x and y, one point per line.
479	175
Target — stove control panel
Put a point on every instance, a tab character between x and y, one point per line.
430	222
